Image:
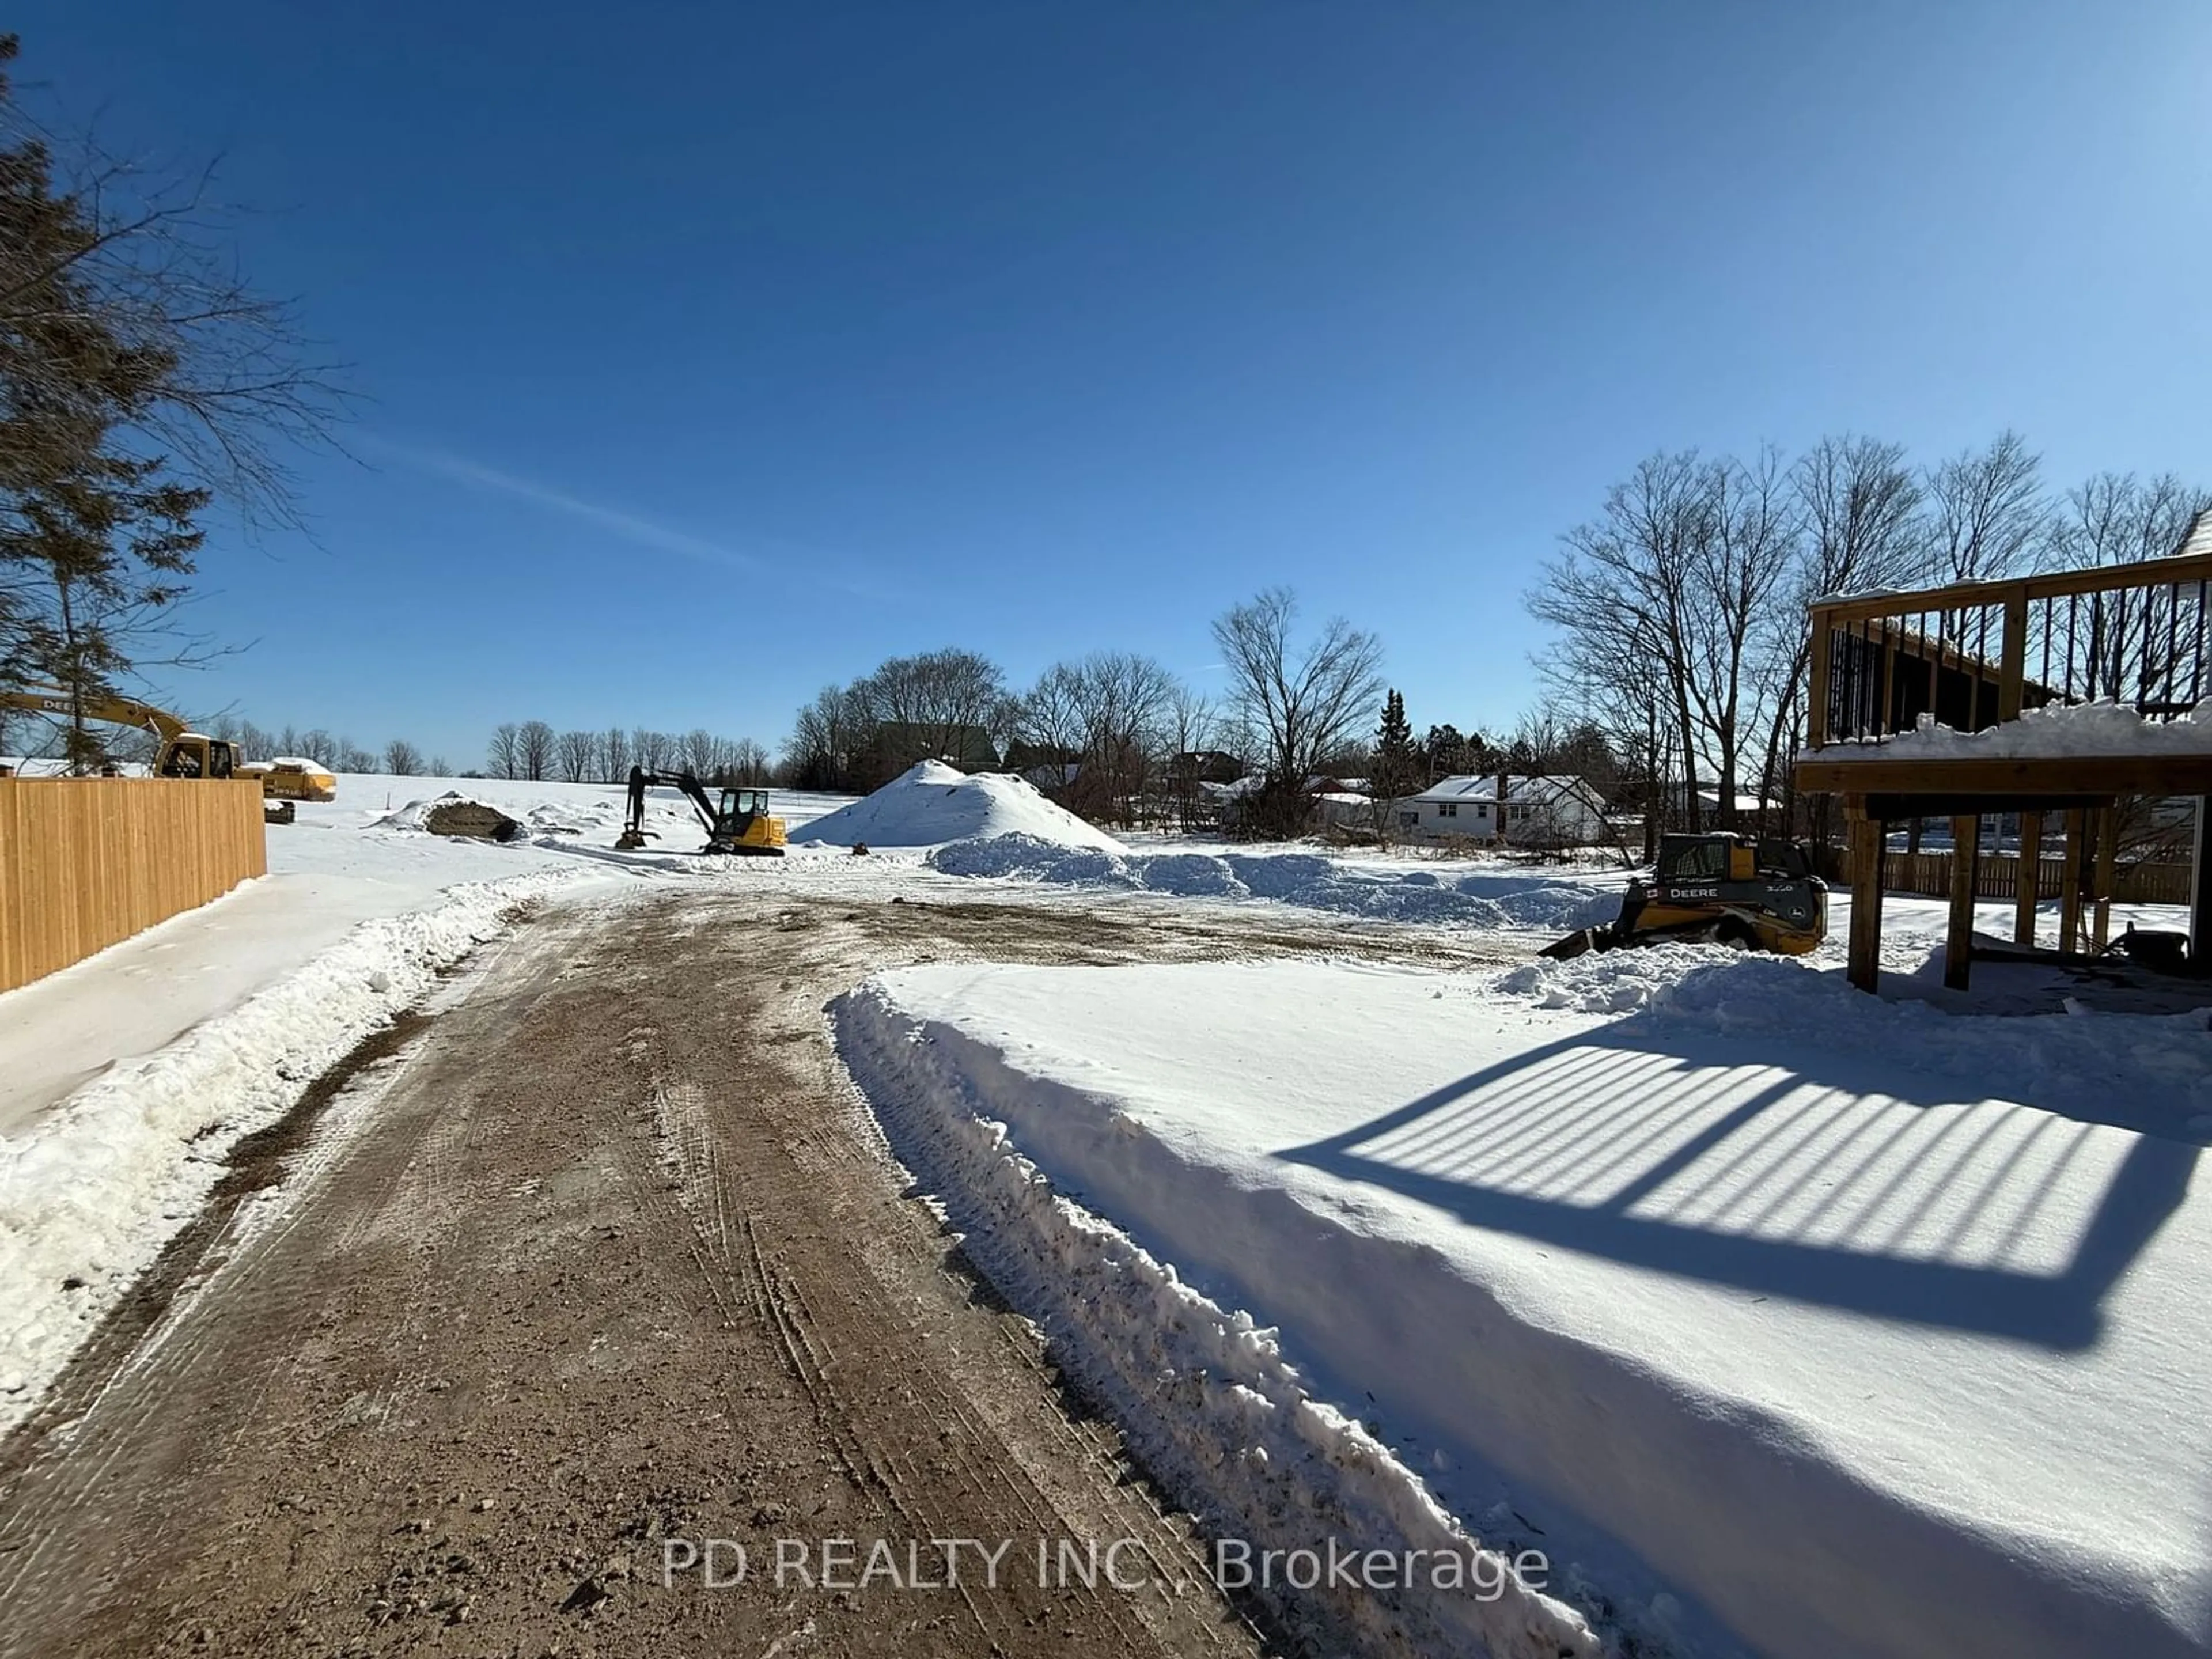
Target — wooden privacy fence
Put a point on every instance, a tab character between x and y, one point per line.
1996	876
87	862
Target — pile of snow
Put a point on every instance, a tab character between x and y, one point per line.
1203	1396
1783	1323
1307	879
91	1191
2060	730
930	804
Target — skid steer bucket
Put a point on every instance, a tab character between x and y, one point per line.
1583	939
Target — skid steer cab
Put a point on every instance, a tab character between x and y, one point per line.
1719	890
737	822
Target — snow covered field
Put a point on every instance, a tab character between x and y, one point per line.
1845	1325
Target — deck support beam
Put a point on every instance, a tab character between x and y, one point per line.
2069	891
1866	839
2029	868
2200	884
2108	849
1965	858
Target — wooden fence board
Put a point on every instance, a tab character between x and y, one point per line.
1998	877
85	863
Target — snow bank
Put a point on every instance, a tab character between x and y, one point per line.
1203	1396
1302	878
2056	731
1787	1323
931	803
91	1193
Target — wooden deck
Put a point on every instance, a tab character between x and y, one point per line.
1975	655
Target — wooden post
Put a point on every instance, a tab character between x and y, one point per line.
2069	883
2200	884
1816	710
1865	835
2108	836
1958	943
2030	868
2013	665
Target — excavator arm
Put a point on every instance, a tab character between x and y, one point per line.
113	711
633	833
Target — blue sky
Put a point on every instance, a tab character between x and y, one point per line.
711	353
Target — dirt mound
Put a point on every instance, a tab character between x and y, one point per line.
455	817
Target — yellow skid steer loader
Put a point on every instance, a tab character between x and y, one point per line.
1719	888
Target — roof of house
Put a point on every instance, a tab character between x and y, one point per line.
2199	538
1526	790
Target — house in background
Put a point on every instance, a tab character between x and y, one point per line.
1539	812
1198	765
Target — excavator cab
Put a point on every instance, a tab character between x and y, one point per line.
744	825
192	755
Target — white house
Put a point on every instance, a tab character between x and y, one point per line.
1560	811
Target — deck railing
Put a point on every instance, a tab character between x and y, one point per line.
1975	653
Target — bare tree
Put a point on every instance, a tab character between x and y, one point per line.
402	759
748	762
935	706
613	759
1860	509
826	739
1987	509
1622	595
535	744
505	755
2117	518
1304	702
573	754
701	753
1193	727
1685	570
1105	716
655	750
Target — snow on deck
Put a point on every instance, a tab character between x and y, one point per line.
1859	1327
2060	731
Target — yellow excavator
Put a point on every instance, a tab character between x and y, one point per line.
740	823
184	753
1720	889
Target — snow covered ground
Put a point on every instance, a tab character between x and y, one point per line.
1830	1324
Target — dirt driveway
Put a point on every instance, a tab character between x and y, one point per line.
601	1262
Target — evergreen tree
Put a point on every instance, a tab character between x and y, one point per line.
1396	771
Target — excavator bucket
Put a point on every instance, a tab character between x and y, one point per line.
1581	940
